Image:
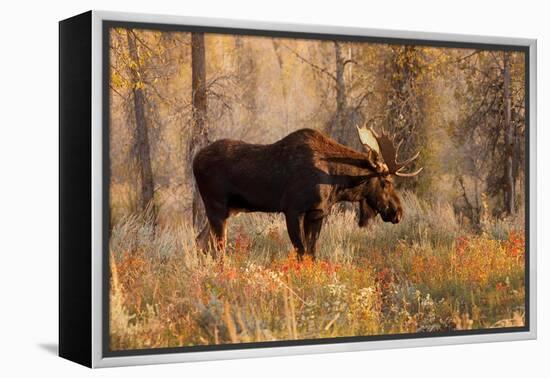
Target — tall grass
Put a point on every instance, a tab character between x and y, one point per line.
428	273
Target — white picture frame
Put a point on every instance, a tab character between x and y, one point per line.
98	357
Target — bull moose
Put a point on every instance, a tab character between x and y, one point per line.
302	176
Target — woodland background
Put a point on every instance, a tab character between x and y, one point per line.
173	92
455	262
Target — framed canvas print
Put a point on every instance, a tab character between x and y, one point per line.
235	189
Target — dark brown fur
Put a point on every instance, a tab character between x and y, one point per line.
302	175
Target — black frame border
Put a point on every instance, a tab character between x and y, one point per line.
109	24
75	192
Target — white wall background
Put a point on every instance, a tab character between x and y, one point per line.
28	189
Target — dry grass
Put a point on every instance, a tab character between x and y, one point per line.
425	274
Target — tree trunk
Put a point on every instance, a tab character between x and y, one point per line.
280	61
341	103
247	76
509	196
141	135
199	135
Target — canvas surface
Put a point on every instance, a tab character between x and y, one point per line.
442	252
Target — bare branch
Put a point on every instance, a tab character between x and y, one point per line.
316	67
117	92
467	56
347	61
141	41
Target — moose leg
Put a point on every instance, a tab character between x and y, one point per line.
217	218
295	227
312	226
218	233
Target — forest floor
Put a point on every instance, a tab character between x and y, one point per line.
426	274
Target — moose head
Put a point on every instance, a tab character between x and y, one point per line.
379	195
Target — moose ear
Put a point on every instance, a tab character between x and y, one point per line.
376	162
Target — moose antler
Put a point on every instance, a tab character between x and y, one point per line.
384	146
368	138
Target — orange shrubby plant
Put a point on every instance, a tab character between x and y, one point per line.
165	293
